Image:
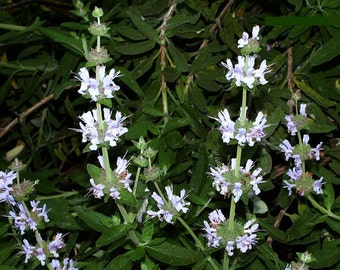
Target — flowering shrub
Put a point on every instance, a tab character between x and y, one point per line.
169	135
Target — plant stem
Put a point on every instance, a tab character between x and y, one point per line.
322	209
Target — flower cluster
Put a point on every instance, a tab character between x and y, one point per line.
247	133
120	179
233	180
226	181
109	132
100	88
170	207
42	249
299	179
66	265
297	122
241	237
25	219
28	219
244	74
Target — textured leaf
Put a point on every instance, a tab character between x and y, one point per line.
135	48
327	52
173	254
142	26
309	91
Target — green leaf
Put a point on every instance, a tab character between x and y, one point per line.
64	38
327	52
125	261
178	57
130	33
142	26
178	20
95	220
197	98
265	161
143	66
329	196
135	48
303	225
113	234
127	197
309	91
328	255
260	207
173	254
94	171
129	80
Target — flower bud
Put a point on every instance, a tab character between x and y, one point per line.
98	57
149	153
141	161
152	173
141	144
97	12
98	29
21	191
17	165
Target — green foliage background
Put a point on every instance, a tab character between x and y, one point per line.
41	49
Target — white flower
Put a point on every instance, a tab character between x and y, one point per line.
172	206
98	89
97	189
244	41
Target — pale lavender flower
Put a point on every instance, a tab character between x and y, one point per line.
211	235
256	133
114	193
216	217
303	109
123	173
98	89
318	185
6	180
295	173
237	192
245	73
315	152
108	85
113	128
241	136
22	220
168	209
227	125
67	264
289	186
90	129
244	41
88	85
178	202
260	72
292	129
40	255
56	244
27	250
287	148
224	180
245	242
96	189
220	183
244	237
41	212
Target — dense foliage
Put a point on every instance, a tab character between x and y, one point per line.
172	86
